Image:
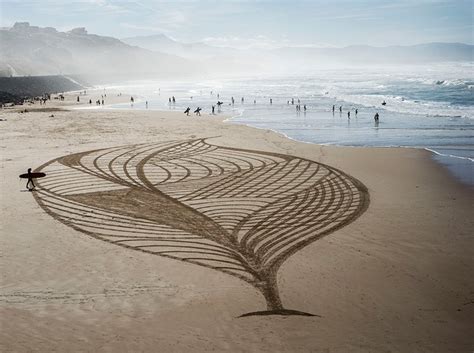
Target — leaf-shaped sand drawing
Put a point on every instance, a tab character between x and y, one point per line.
237	211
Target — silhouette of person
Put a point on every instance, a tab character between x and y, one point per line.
232	99
348	115
271	101
77	99
242	100
384	103
213	109
333	107
30	181
340	109
198	111
146	104
174	100
356	111
187	111
304	107
376	117
292	101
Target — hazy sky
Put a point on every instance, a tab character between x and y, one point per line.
257	23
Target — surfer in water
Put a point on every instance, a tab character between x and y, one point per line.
30	181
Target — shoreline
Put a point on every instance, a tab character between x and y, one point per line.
395	279
459	177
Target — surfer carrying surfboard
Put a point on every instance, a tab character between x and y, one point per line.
30	181
30	185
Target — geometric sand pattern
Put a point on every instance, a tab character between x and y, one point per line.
237	211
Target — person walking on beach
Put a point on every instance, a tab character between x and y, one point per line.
30	181
333	107
198	111
213	109
348	115
187	111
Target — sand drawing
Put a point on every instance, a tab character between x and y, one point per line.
237	211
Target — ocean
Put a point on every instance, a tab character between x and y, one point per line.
430	107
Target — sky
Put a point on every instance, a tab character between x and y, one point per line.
254	23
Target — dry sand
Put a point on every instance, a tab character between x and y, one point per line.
397	279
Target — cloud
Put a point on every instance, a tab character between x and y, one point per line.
144	28
257	42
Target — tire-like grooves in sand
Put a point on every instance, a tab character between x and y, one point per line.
237	211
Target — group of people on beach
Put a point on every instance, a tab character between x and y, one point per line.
197	112
356	111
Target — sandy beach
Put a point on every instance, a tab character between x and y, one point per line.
394	275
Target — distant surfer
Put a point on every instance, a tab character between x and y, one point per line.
30	181
348	115
357	110
187	111
384	103
340	109
198	111
376	117
213	108
271	101
333	108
